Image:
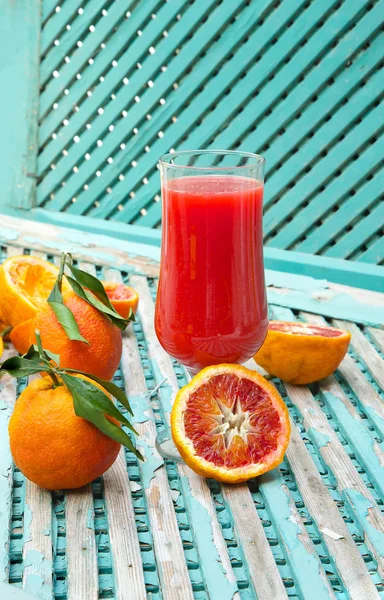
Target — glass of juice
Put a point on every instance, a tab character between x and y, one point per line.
211	305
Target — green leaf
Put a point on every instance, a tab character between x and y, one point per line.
112	315
92	404
52	356
67	321
19	366
86	280
55	295
112	388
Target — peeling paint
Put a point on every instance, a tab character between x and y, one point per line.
90	519
361	441
340	306
332	534
165	391
361	507
153	461
36	582
291	281
8	392
219	586
309	577
140	409
27	524
320	438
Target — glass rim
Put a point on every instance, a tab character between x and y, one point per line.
164	160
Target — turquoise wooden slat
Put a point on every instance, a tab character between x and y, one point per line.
295	65
375	252
56	25
367	195
19	51
328	99
325	135
196	140
213	87
276	495
47	9
361	232
113	78
216	20
123	38
349	178
203	101
79	55
321	39
322	171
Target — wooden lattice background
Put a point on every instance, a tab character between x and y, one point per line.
299	81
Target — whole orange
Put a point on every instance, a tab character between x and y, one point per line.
51	445
101	357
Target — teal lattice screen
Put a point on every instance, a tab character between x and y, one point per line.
299	81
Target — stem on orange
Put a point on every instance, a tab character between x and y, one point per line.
51	373
6	331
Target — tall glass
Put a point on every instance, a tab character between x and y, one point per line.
211	304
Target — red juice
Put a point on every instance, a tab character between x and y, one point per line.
211	304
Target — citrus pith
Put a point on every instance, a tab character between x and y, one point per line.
25	283
52	446
301	353
229	423
22	335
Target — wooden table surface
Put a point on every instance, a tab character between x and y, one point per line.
312	528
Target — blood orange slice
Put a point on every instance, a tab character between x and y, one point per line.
302	353
230	423
122	297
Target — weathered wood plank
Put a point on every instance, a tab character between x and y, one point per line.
368	354
348	480
210	543
81	545
377	336
367	396
7	400
37	550
349	563
102	250
173	572
307	570
363	443
251	537
125	548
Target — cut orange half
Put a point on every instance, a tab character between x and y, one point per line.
25	282
229	423
302	353
122	297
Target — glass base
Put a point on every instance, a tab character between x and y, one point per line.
165	446
191	372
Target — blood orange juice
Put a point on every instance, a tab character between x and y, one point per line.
211	305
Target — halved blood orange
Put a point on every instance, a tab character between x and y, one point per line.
122	297
229	423
302	353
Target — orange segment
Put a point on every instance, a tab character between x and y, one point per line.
302	353
122	297
22	336
25	282
230	423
